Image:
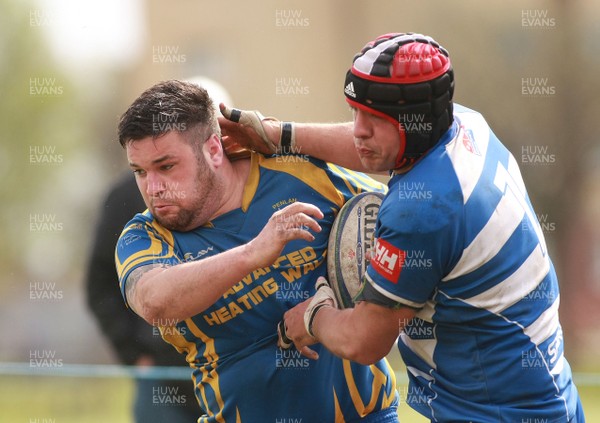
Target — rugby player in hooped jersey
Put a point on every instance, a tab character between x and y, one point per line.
461	276
224	249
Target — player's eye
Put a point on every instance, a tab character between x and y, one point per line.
167	167
139	172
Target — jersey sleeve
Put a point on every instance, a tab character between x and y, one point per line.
142	243
414	245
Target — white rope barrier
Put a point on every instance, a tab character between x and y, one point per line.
167	373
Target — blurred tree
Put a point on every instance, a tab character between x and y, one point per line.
41	125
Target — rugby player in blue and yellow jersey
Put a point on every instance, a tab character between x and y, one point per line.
224	249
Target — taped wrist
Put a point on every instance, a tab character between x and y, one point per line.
324	297
284	341
311	318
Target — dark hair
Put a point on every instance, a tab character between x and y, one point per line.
170	106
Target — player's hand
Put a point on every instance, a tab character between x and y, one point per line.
295	221
249	130
291	331
296	325
235	152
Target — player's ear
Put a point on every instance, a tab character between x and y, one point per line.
213	150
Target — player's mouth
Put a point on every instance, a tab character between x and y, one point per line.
163	208
364	152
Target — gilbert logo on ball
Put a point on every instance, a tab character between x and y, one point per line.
350	245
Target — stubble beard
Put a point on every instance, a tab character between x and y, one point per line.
201	208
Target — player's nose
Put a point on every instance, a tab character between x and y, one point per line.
154	185
362	125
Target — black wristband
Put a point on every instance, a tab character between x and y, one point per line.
286	138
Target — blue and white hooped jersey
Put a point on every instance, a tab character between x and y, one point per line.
239	373
457	238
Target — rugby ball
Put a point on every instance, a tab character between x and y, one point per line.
350	241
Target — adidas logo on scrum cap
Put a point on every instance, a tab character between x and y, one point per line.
349	90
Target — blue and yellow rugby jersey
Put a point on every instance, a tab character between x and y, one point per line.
239	372
458	238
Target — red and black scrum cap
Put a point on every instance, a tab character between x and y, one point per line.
406	78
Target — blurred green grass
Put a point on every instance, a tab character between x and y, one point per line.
47	399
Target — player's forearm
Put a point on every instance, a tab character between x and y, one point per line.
331	142
182	291
364	334
338	332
